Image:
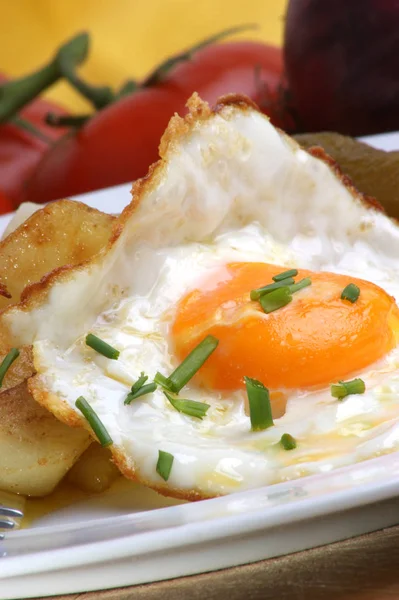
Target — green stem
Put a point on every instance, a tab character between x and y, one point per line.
15	94
159	73
127	88
27	126
66	121
99	96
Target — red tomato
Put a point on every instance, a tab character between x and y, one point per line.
120	142
5	204
21	150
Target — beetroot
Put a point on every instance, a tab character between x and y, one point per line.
342	65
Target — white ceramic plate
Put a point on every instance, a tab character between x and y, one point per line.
133	536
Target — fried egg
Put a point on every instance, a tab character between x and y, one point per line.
232	203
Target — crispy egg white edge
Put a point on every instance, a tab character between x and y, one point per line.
190	197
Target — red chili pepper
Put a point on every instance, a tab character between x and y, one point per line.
119	143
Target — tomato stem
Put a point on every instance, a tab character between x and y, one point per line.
128	87
99	96
15	94
27	126
162	69
66	121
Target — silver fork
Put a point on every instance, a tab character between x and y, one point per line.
7	518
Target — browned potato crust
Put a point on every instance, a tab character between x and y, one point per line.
36	450
62	233
21	369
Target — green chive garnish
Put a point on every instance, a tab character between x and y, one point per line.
164	464
7	362
351	292
344	388
300	285
163	381
94	421
101	347
139	383
188	407
256	294
142	391
276	299
288	442
260	410
190	365
285	275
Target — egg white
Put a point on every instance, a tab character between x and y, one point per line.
231	189
218	454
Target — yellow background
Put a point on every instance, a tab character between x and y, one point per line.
129	37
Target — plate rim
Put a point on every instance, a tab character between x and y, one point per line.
329	503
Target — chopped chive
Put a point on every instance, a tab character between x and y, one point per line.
139	383
300	285
94	421
344	388
101	347
190	365
188	407
163	381
7	362
288	442
164	464
260	411
351	292
285	275
142	391
276	299
256	294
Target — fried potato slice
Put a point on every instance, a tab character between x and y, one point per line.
374	172
23	212
62	233
21	369
94	472
36	450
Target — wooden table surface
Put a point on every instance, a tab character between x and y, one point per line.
363	568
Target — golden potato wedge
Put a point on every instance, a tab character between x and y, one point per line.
36	450
94	472
20	370
23	212
62	233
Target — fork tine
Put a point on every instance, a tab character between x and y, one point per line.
6	524
10	512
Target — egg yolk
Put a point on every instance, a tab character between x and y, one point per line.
315	340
